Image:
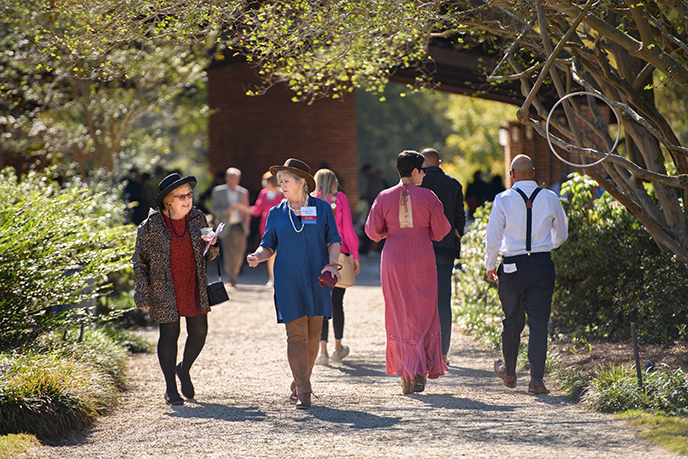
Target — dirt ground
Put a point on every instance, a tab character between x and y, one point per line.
602	353
242	407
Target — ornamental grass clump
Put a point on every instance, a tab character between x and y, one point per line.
614	389
96	349
50	396
667	390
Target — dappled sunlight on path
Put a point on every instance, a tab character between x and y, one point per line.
242	408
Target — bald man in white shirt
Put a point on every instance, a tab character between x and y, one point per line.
526	224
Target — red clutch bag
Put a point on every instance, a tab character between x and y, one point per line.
327	278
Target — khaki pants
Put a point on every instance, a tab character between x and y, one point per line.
303	341
233	251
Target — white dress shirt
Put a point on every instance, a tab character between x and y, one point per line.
233	197
506	230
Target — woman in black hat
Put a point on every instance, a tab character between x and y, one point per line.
301	230
171	278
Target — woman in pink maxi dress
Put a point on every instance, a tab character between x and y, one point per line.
410	217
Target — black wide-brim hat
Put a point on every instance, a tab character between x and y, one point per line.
299	168
171	182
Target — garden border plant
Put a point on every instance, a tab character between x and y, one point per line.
61	242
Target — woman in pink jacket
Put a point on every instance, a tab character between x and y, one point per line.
269	197
327	188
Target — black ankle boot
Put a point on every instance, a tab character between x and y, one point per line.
173	399
187	386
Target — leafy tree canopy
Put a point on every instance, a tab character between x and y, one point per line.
88	103
610	48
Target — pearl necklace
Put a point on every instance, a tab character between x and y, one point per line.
291	219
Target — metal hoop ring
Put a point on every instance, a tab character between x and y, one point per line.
549	115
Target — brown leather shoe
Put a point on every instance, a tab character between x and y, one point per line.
500	370
304	401
293	396
406	386
537	387
419	383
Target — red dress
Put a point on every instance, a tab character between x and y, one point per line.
183	267
409	280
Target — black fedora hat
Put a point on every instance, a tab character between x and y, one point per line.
299	168
171	182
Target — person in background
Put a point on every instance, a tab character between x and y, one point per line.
477	193
497	186
229	205
171	278
203	200
450	193
302	234
269	196
326	186
410	218
526	274
372	185
135	195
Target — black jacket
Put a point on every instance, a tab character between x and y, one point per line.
450	193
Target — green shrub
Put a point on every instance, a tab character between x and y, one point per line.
476	307
614	389
50	396
58	245
132	342
97	349
667	390
572	381
610	272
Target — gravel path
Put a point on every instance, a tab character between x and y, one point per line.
242	407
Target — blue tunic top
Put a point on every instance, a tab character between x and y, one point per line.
299	258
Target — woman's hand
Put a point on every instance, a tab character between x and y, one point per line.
253	260
357	267
213	240
333	269
262	254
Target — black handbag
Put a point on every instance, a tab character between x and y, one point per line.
217	293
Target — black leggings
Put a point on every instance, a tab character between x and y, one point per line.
197	329
337	315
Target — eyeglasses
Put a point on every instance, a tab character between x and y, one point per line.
184	197
424	169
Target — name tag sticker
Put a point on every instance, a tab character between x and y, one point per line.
309	215
510	268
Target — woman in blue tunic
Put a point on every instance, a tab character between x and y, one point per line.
302	232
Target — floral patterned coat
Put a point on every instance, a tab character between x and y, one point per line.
152	274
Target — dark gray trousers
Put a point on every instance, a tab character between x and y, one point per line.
526	292
445	265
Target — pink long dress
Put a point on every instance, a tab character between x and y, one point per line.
409	280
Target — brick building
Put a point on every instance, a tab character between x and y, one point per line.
254	133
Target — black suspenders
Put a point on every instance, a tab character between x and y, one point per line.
529	214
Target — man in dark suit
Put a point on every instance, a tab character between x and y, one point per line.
450	193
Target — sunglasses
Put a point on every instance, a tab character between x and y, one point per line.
424	169
184	197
